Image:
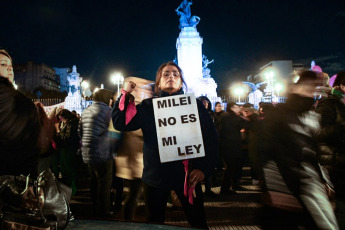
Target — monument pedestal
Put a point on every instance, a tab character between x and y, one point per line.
189	56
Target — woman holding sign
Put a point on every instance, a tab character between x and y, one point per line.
183	176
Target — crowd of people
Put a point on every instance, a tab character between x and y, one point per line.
296	150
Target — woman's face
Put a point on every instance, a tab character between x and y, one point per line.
171	79
236	109
246	113
218	108
6	69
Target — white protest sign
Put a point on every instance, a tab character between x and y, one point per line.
48	109
178	128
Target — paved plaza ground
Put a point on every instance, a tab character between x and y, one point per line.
238	211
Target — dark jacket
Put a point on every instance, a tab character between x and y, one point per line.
230	135
68	136
331	139
93	130
19	132
171	174
217	117
288	153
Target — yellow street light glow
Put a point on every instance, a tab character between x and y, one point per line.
117	78
85	84
295	79
269	75
279	87
238	91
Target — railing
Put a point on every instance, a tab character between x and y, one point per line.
49	101
79	105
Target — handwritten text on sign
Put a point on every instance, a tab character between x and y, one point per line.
178	128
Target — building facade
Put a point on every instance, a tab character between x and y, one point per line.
31	75
63	73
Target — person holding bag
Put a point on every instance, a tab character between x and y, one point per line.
23	202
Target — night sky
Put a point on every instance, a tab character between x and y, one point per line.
136	36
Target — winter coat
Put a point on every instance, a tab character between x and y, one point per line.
288	153
230	135
217	117
129	160
68	137
167	175
93	130
332	140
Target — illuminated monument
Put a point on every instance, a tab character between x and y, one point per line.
73	100
189	54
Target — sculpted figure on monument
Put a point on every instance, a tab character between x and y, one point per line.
205	61
184	7
186	19
194	21
206	71
183	19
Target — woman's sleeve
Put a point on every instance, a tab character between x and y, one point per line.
211	143
119	117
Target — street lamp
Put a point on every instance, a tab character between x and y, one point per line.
278	88
238	91
269	75
85	85
117	79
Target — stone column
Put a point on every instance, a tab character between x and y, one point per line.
189	56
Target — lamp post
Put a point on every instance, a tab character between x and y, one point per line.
85	85
278	88
117	79
238	91
269	75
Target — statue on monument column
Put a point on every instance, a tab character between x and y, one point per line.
184	7
206	71
183	19
186	19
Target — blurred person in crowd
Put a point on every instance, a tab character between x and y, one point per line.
67	144
296	193
95	149
208	181
19	132
46	139
331	140
159	178
217	115
264	109
230	145
117	183
129	155
74	113
129	166
6	68
251	136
